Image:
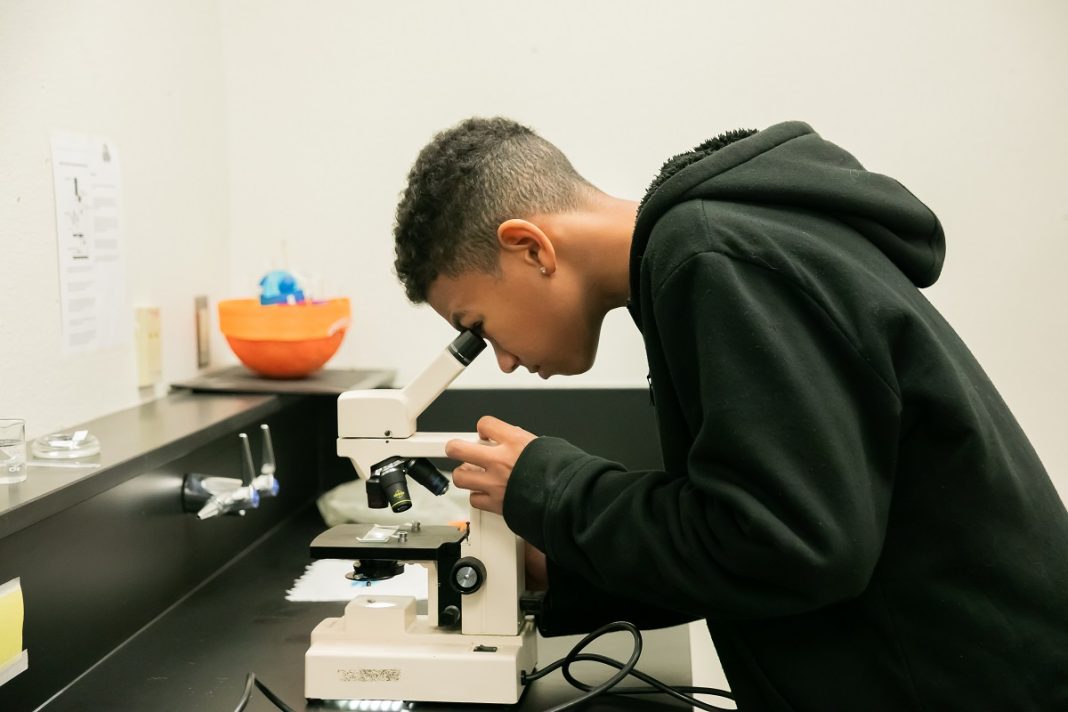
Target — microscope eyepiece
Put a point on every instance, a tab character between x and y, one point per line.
466	347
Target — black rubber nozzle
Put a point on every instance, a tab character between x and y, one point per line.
466	347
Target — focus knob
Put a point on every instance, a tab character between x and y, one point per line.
468	575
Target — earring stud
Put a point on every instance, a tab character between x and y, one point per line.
544	271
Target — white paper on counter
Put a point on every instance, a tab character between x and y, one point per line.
324	580
92	277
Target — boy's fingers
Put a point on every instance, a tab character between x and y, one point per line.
469	478
467	452
490	428
481	500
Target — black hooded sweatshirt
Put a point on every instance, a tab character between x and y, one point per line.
845	499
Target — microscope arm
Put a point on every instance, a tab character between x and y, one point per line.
391	413
364	453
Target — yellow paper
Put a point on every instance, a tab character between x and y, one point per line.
11	617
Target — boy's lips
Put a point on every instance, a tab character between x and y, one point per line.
536	369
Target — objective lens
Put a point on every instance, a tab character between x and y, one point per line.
422	471
376	496
395	485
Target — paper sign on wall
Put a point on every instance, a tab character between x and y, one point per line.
92	278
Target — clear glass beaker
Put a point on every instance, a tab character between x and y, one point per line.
12	450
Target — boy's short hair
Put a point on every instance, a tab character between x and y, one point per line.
464	184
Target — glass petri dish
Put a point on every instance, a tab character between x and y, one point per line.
68	445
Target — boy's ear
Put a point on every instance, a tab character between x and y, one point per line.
528	241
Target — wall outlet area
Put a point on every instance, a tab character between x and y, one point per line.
149	346
203	321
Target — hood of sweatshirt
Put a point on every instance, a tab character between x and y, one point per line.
789	165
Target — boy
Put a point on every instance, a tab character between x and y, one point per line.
845	498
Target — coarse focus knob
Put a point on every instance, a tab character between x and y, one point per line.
468	575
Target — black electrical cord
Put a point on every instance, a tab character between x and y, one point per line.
656	686
247	694
625	670
567	660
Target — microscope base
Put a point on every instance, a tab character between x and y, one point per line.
381	650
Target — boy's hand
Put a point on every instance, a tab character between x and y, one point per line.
487	467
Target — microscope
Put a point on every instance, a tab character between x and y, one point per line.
474	642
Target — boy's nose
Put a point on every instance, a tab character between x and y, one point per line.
505	360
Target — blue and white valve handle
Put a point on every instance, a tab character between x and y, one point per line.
265	483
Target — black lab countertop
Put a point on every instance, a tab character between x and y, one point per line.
195	655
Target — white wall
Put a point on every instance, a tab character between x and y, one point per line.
964	102
147	75
296	122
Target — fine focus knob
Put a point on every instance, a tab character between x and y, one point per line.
450	616
468	575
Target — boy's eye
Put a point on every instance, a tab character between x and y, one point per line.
477	329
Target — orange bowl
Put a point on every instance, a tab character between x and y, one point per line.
284	340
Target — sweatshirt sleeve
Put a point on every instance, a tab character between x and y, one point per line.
575	605
783	503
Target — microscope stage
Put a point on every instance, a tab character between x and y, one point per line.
421	543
